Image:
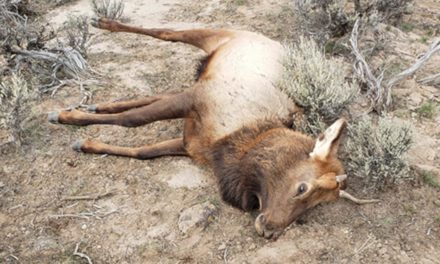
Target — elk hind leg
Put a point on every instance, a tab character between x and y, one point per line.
205	39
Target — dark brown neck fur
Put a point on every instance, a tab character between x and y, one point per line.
241	161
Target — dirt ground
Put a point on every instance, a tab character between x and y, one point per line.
142	219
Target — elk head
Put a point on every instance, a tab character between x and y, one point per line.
313	177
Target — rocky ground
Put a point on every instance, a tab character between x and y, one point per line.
168	210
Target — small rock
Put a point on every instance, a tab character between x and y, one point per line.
252	246
71	163
200	215
84	226
222	247
383	251
2	185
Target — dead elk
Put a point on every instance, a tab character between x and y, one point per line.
237	122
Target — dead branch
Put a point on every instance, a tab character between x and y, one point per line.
376	92
379	94
89	197
433	80
68	67
434	48
81	255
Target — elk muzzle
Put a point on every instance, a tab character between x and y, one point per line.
265	230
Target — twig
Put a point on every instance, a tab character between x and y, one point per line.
70	215
81	255
85	215
89	197
225	255
364	246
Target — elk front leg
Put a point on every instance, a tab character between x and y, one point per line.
173	147
161	108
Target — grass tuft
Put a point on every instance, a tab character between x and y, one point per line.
428	178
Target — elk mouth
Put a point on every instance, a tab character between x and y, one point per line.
264	231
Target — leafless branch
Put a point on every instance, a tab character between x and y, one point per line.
379	93
434	48
376	92
81	255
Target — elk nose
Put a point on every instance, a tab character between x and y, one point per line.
264	229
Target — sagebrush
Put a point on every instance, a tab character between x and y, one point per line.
323	20
376	153
15	95
77	33
111	9
315	83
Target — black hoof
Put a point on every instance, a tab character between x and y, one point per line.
77	145
53	117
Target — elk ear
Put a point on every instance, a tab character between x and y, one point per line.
328	142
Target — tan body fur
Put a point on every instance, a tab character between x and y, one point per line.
238	88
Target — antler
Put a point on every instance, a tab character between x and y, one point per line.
346	195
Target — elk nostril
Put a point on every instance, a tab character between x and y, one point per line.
262	219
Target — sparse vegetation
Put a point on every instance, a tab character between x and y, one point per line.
323	20
428	178
330	19
375	154
111	9
427	110
317	84
78	35
407	27
241	2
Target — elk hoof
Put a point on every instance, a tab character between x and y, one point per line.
53	117
91	108
102	23
95	22
77	145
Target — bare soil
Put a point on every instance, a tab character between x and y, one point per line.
139	222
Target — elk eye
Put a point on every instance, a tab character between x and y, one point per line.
302	188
